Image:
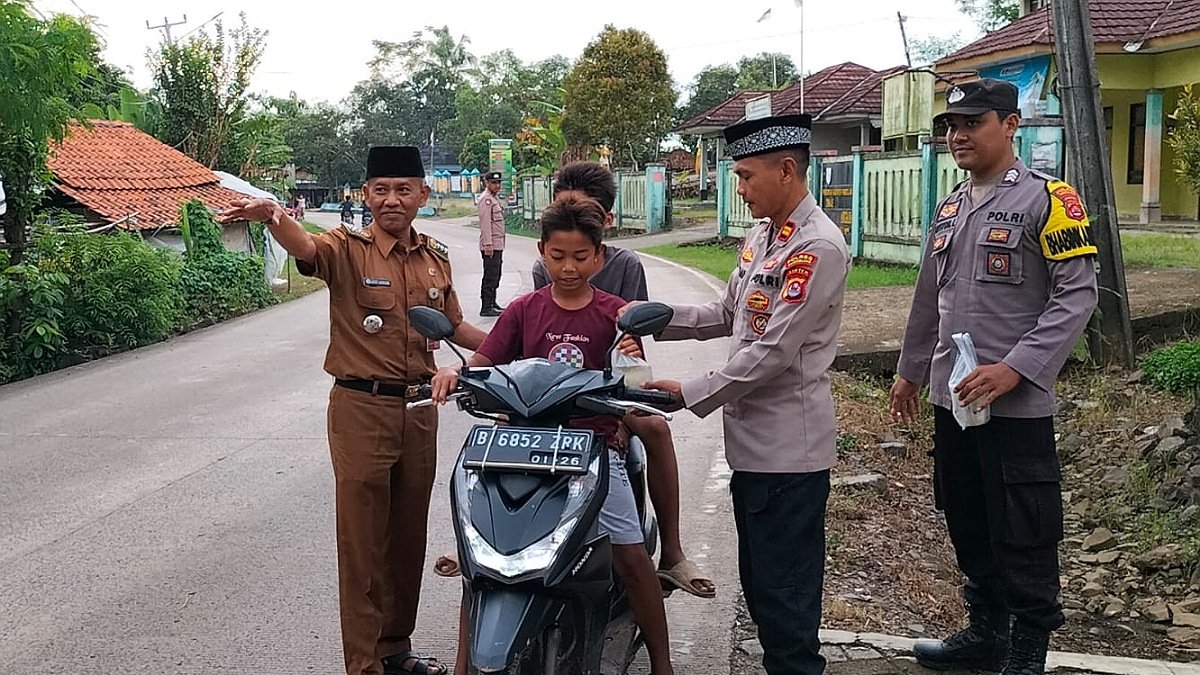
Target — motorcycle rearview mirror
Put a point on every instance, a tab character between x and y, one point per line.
434	325
644	318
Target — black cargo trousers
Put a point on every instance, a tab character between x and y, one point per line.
999	485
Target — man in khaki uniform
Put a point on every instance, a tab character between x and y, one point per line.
1010	261
383	455
491	244
782	306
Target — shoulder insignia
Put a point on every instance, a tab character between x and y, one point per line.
1011	177
1067	232
436	247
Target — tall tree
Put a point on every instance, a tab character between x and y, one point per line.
476	152
434	65
44	68
619	93
926	50
711	86
1185	138
765	71
991	14
202	86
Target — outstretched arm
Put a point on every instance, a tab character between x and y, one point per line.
289	233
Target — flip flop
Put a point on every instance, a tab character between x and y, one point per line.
448	560
682	576
421	665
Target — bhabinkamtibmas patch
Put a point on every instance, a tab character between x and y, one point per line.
1067	233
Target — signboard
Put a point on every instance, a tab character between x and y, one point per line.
1029	77
837	194
758	108
500	159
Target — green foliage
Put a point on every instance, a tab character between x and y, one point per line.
132	106
620	93
44	69
31	302
765	71
202	87
1185	138
541	143
476	153
991	14
123	292
711	86
215	283
927	50
1175	368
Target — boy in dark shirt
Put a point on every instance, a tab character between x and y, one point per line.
571	322
623	275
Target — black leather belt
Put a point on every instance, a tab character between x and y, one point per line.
381	388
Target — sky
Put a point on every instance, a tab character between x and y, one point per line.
322	51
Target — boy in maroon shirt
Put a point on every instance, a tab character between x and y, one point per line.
571	322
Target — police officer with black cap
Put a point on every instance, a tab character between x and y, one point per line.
384	455
782	308
491	244
1009	260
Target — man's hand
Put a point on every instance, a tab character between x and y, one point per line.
444	382
257	210
488	251
629	347
985	384
671	387
621	311
904	404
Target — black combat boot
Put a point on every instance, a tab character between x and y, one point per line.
980	646
1027	655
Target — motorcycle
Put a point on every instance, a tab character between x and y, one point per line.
526	492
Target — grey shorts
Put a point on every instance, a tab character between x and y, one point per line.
618	515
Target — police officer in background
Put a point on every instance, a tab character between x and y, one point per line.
384	456
782	307
491	244
1009	260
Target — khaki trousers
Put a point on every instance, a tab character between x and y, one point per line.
384	459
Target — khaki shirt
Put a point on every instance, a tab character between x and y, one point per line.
491	222
782	306
373	274
1017	272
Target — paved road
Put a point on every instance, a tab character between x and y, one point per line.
170	509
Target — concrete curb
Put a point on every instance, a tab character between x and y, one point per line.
855	646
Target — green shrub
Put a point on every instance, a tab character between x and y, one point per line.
215	283
31	309
123	294
1175	368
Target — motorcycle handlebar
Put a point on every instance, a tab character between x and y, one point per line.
651	396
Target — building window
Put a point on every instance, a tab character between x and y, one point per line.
1137	143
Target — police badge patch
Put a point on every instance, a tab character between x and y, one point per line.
758	301
999	264
758	323
955	95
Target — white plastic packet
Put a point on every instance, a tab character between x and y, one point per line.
636	371
966	361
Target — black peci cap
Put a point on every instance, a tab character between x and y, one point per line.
394	161
768	134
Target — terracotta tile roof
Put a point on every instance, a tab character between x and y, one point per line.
725	113
114	169
1113	22
844	89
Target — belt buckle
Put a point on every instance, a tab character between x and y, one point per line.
411	390
374	387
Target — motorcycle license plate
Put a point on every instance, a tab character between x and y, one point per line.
523	449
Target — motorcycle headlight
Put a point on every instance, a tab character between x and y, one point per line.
537	556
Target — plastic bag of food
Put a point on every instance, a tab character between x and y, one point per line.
964	364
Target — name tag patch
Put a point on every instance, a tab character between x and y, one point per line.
372	282
999	235
768	280
758	301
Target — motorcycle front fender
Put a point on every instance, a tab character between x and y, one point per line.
502	623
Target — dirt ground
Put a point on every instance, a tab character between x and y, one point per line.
876	316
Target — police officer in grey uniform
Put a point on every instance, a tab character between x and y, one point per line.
782	307
1009	260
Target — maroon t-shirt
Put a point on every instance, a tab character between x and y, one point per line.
534	326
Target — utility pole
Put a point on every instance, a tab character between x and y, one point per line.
1079	87
904	38
166	26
